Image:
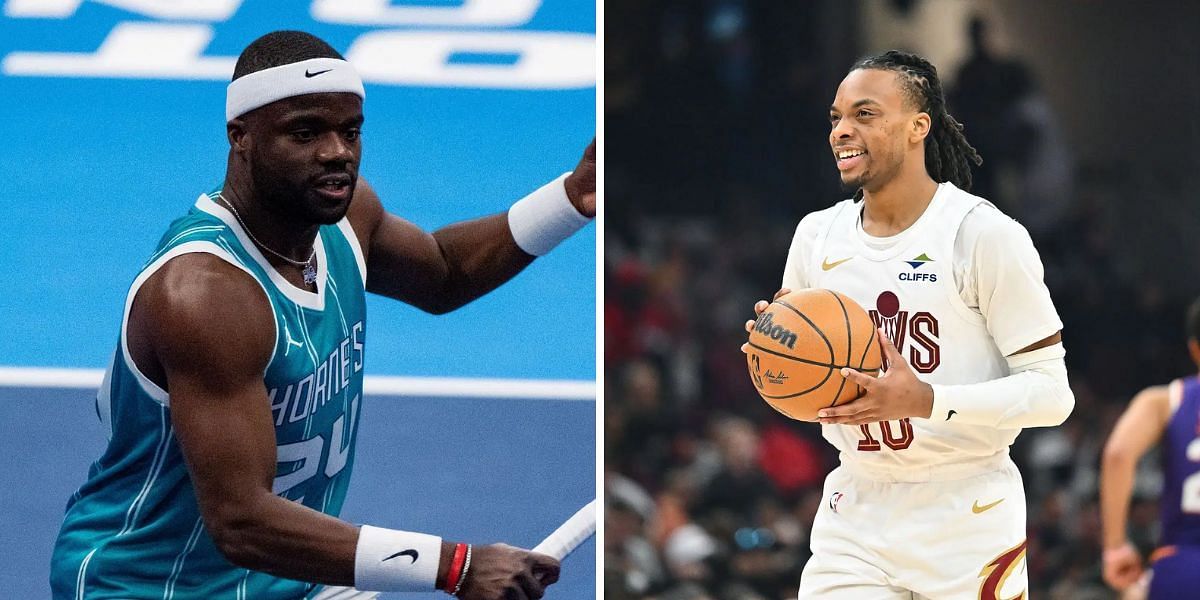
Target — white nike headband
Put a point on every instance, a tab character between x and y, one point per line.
313	76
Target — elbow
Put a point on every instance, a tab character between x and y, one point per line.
1065	405
440	307
1049	397
444	302
442	299
1116	457
236	537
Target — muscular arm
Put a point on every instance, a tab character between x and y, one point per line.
436	272
210	333
444	270
203	330
1138	429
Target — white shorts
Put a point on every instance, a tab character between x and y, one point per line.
947	533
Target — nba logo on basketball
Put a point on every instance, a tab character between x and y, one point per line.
921	329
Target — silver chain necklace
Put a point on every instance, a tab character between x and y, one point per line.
309	266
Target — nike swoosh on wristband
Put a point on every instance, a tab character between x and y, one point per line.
951	414
308	74
411	552
826	265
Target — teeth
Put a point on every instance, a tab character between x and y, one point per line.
843	154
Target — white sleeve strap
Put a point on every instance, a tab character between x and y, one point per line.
1035	394
388	560
543	219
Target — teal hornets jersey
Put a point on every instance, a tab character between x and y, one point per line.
133	530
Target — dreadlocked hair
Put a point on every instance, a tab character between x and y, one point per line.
947	152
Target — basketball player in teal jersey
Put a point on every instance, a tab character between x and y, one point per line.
234	394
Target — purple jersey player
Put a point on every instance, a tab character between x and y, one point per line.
1169	413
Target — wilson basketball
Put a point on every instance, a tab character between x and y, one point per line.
800	344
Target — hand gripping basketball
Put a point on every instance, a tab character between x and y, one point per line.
759	307
798	345
896	394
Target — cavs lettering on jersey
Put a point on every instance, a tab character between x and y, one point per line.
1180	506
133	530
909	289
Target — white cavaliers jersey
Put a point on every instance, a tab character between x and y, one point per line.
908	284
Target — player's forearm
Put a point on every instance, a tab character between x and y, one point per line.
1116	489
287	539
1036	394
480	256
458	264
461	262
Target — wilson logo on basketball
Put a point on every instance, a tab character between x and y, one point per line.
918	330
766	326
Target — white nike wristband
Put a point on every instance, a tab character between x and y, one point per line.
543	219
387	560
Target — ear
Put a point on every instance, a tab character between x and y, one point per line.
919	127
239	140
1194	351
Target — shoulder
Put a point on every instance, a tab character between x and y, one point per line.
365	213
820	218
1155	401
200	307
811	226
986	227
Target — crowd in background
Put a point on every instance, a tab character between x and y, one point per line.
709	492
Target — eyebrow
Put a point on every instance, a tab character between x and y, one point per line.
857	104
314	118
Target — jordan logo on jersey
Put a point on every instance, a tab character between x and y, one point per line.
918	330
328	379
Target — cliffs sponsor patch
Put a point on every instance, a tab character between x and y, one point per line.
930	277
917	263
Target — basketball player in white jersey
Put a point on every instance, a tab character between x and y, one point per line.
926	502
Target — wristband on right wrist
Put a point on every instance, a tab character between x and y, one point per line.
466	567
387	560
454	575
544	218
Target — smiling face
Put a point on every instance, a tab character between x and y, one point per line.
875	128
303	154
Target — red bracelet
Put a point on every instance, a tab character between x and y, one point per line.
456	565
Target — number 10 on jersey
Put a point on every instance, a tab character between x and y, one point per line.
897	435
